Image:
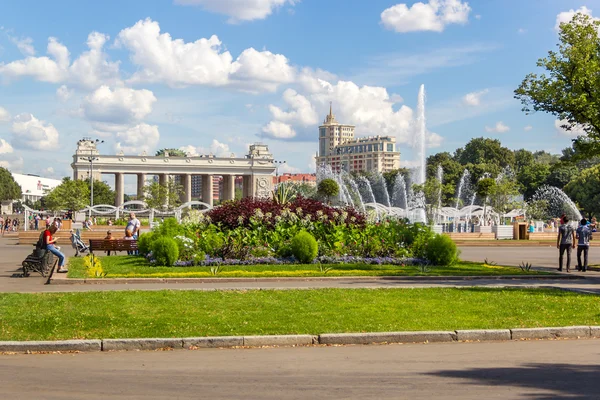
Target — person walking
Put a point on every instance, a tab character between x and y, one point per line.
1	225
583	235
565	242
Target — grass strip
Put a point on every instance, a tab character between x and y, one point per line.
138	267
177	313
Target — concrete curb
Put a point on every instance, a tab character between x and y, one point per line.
63	280
569	332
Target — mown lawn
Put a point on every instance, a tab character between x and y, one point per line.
179	313
138	267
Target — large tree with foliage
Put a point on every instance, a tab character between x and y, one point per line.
328	188
103	194
485	151
452	172
584	189
161	197
171	152
571	90
9	189
530	178
69	195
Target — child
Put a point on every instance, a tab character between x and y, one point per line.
108	237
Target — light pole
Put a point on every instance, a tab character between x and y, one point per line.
277	164
91	158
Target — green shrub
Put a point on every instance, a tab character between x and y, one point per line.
421	242
441	251
304	247
170	228
211	242
165	251
145	242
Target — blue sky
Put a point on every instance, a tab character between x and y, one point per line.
222	74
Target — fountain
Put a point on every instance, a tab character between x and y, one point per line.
557	203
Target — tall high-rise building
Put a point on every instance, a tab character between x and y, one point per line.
343	152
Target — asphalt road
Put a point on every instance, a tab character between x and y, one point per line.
537	370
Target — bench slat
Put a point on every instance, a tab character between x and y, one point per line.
112	245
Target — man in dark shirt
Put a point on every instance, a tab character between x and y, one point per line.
584	235
565	242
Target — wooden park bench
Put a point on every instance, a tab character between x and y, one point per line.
112	245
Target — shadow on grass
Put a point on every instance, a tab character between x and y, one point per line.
554	381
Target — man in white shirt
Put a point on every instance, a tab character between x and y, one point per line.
133	226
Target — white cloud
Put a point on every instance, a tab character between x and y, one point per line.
91	69
498	128
5	147
300	110
12	162
521	31
474	98
31	133
236	10
528	128
119	106
63	93
574	131
25	45
136	140
431	16
176	63
434	140
216	148
566	16
279	130
4	115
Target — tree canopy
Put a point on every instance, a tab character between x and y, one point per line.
9	189
160	197
571	90
103	194
584	190
328	188
171	152
69	195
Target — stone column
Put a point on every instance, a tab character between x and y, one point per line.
247	187
141	182
186	182
162	179
119	189
228	187
207	189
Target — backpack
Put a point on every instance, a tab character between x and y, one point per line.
41	243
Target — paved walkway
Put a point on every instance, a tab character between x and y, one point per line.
536	370
541	257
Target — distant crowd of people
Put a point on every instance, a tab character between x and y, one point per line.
9	225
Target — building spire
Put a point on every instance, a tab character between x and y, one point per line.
330	109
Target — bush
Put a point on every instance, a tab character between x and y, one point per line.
165	251
442	251
170	228
421	242
304	247
145	242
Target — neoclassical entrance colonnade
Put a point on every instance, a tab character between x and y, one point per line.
256	168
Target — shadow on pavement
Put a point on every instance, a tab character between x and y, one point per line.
555	381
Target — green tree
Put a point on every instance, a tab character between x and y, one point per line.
103	194
69	195
484	188
544	157
531	178
328	188
452	172
502	196
171	152
523	158
584	189
162	197
571	90
9	189
561	174
390	177
485	151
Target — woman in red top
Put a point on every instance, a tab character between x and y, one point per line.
51	247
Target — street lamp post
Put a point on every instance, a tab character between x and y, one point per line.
277	164
91	160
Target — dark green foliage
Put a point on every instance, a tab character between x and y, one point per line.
145	242
328	188
420	243
9	189
441	250
304	247
172	153
165	251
